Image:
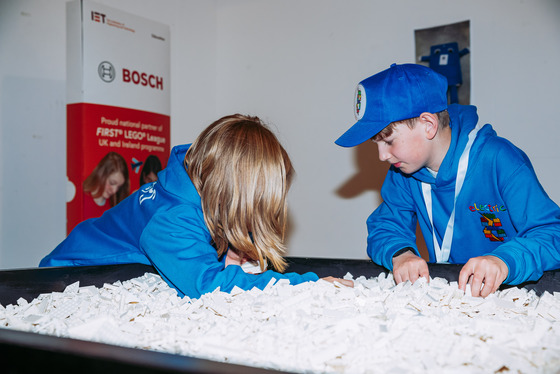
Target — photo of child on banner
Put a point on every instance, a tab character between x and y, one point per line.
106	186
151	167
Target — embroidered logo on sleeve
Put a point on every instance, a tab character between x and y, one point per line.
148	192
493	229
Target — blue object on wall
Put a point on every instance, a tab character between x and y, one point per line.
445	59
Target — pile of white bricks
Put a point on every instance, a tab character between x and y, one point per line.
375	327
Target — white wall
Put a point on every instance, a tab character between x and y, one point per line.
298	62
33	111
295	63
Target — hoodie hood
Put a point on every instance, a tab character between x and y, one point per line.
463	119
174	178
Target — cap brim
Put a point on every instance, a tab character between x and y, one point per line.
359	133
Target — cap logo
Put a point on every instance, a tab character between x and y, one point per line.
360	102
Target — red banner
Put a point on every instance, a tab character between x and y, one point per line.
95	130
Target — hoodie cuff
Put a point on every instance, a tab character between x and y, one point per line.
510	263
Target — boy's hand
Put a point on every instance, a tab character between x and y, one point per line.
489	270
408	266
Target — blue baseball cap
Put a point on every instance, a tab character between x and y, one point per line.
398	93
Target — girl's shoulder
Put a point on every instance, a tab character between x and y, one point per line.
180	220
185	212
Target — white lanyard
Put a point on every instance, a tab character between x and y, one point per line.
442	254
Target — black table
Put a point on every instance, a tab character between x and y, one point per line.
24	352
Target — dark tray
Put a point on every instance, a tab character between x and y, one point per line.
25	352
30	283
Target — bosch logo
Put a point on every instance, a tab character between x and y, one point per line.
143	79
106	71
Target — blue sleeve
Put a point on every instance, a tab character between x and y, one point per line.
177	243
392	226
536	247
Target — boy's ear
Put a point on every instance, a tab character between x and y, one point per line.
431	123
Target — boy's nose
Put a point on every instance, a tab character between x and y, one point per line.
384	155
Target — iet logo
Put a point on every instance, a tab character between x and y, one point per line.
98	17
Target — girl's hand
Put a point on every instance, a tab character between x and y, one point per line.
344	282
233	258
248	266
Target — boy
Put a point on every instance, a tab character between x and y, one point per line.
478	191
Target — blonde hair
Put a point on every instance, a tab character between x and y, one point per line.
243	174
94	184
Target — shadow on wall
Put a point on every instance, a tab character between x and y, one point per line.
370	172
369	176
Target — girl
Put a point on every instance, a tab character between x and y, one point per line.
219	202
106	186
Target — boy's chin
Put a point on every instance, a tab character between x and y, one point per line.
405	169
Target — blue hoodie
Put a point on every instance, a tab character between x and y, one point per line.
161	224
502	209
